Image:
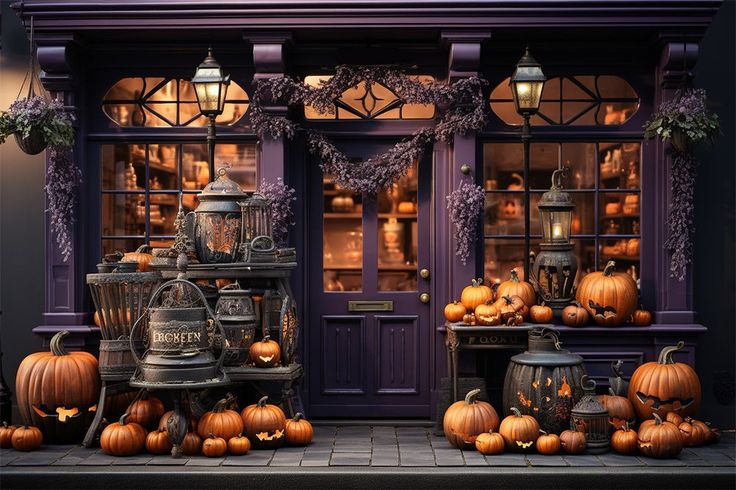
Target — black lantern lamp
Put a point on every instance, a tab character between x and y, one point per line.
210	85
527	84
591	418
555	267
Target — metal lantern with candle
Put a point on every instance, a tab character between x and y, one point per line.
554	269
257	243
216	222
527	84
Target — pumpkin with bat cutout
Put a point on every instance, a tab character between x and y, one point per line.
57	391
264	425
659	439
519	431
619	408
609	296
467	418
490	443
665	386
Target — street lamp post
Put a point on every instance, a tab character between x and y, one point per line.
210	85
527	84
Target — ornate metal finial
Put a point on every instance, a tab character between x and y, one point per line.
182	262
182	241
557	178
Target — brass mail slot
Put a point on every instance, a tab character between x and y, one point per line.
370	306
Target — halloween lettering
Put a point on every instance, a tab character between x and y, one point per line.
177	337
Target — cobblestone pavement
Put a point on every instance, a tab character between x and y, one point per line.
372	447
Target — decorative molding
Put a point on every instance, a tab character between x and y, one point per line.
465	52
269	53
677	60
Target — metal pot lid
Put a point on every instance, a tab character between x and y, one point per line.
234	289
223	187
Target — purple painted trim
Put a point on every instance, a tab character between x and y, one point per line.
653	329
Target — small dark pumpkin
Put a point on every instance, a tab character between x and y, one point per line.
191	445
157	442
574	315
147	411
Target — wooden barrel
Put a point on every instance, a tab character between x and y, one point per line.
116	359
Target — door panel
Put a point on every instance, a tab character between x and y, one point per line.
369	249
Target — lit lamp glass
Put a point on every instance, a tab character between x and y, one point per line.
526	84
554	269
210	85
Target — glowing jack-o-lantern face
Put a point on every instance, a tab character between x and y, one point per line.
264	424
519	431
665	386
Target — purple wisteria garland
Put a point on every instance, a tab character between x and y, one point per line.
280	196
62	175
687	121
461	106
465	205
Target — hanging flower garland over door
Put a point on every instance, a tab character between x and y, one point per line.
461	106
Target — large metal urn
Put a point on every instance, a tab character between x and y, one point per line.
236	312
544	381
217	220
181	335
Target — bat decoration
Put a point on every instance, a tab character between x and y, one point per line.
655	403
601	310
524	445
263	436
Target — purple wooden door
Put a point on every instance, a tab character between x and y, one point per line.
369	334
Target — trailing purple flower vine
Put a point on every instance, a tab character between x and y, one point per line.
465	205
280	196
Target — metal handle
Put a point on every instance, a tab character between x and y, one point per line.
424	298
424	273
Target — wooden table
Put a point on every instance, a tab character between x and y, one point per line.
460	336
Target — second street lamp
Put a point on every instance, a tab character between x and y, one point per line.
210	85
527	84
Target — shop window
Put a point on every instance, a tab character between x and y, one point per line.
589	100
156	102
369	101
141	184
604	182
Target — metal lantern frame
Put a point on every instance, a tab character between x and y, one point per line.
591	417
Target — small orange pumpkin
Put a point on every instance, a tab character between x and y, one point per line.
6	435
659	439
26	438
157	442
475	294
142	255
517	287
519	431
541	313
469	319
693	432
548	443
221	421
624	440
467	418
191	445
123	438
265	353
641	317
573	442
619	408
490	443
487	314
454	312
238	445
214	447
574	315
147	411
299	431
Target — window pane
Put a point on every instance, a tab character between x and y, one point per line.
583	216
123	214
504	214
619	213
624	251
580	159
123	167
342	245
163	213
121	245
585	252
619	165
502	255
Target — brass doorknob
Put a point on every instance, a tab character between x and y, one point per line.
424	273
424	298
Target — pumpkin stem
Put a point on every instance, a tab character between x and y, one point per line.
220	406
299	416
57	345
543	432
123	417
610	390
474	282
626	427
657	419
471	396
262	401
610	268
144	249
266	338
515	411
665	356
514	276
212	436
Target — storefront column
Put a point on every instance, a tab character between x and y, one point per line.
65	289
269	61
673	298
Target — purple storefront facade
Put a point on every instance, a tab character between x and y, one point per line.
387	364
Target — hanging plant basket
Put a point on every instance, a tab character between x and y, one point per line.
681	141
33	144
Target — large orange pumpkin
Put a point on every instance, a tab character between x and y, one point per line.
665	386
609	296
264	424
475	294
465	419
142	255
221	421
517	287
49	382
519	431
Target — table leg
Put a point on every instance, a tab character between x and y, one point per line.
452	347
178	423
91	436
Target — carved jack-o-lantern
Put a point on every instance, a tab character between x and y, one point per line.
264	425
665	386
57	391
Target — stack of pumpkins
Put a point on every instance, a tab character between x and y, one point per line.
608	297
220	431
662	394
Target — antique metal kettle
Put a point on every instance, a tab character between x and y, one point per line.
236	312
181	335
544	381
216	223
